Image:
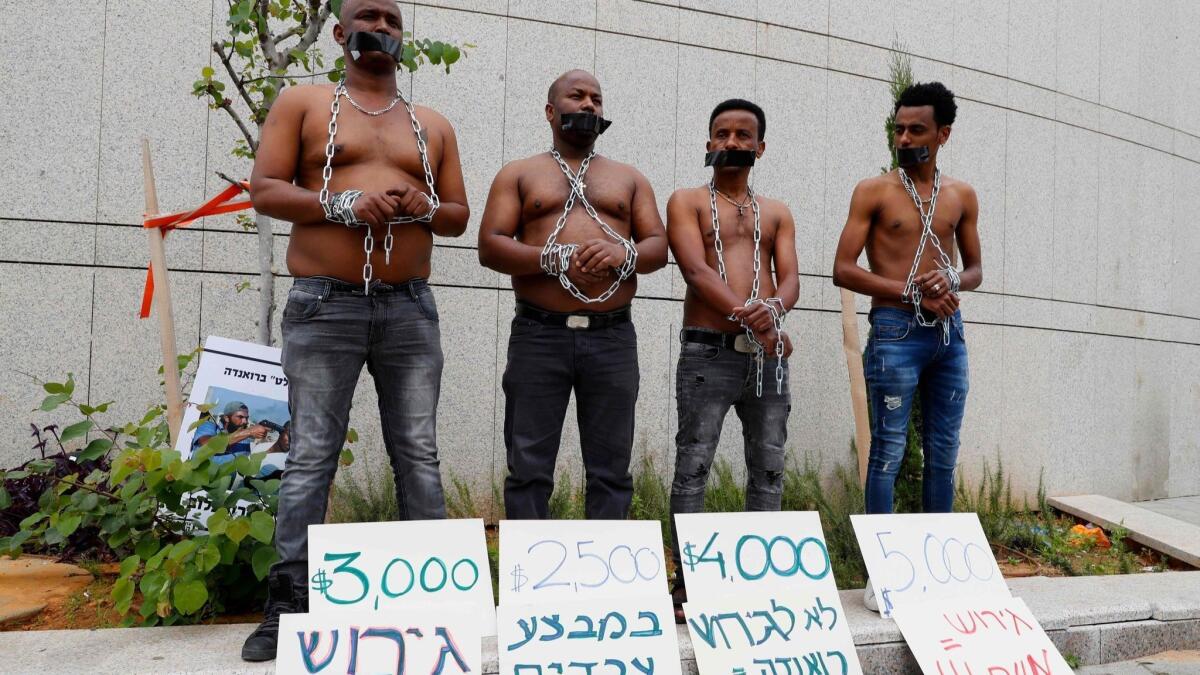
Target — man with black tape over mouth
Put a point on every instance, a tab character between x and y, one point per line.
573	228
909	220
367	179
727	238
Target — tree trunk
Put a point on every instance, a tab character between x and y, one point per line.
266	278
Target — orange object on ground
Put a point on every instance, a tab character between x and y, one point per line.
1084	533
215	206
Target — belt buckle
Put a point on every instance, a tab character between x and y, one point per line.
742	344
579	322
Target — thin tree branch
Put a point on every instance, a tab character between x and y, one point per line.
291	32
238	83
318	14
264	37
250	140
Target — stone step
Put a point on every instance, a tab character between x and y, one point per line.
1172	536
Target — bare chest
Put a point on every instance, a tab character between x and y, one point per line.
545	194
737	228
387	140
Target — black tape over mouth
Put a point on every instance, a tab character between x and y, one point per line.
359	42
584	122
738	158
912	156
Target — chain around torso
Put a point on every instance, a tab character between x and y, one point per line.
610	188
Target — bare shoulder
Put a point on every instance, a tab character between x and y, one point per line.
688	196
873	185
304	97
518	169
433	120
961	188
773	208
627	170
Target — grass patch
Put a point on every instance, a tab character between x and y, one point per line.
1026	539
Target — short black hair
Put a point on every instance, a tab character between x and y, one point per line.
740	104
930	93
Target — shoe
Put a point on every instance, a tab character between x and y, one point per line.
678	597
869	598
284	596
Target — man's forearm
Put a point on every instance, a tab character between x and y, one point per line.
971	278
864	282
285	201
450	220
509	256
712	289
652	254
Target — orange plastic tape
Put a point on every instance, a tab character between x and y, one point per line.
215	206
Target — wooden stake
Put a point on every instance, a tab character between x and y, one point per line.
858	383
162	301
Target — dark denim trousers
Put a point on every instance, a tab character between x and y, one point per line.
545	364
709	380
904	357
330	329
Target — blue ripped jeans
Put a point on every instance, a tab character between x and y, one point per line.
904	357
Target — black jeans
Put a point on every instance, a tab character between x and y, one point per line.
545	364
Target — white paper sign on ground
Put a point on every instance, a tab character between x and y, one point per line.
753	553
247	373
788	632
401	565
554	560
985	635
596	636
436	639
921	557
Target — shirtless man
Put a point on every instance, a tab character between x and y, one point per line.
916	341
572	228
390	191
726	239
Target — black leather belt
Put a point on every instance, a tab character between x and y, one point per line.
582	321
735	341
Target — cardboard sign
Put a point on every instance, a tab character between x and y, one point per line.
544	561
754	553
437	639
780	634
985	635
921	557
624	636
405	565
233	379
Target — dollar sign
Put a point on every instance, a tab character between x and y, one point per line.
519	578
321	582
689	558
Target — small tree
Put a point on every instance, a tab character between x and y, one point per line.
269	42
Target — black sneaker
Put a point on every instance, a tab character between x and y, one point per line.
284	596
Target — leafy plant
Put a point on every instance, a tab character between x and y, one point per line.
127	488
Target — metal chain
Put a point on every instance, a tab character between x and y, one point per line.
773	305
339	208
943	262
556	257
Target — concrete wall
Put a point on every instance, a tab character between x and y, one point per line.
1079	125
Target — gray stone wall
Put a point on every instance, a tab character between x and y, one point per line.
1079	126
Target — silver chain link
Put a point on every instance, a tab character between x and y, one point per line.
555	257
911	292
773	305
340	207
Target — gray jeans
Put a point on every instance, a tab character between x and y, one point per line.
330	329
709	380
